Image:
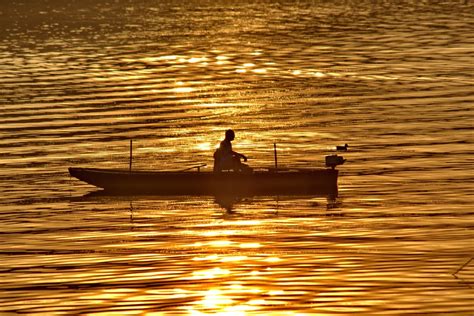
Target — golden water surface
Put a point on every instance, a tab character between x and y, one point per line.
394	79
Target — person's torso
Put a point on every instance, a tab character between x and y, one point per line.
226	147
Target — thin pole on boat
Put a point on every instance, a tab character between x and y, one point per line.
275	155
130	166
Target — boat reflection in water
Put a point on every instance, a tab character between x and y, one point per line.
227	202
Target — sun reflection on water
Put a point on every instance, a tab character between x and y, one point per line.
210	273
183	89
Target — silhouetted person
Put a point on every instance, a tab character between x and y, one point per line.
227	159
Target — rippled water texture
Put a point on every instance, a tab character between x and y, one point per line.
393	79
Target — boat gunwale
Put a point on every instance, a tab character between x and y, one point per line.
269	171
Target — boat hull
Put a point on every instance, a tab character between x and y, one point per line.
300	182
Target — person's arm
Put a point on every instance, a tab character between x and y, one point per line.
239	155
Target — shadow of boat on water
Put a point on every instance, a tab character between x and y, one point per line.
228	202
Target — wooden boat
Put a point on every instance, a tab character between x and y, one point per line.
270	181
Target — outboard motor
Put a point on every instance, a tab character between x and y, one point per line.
334	160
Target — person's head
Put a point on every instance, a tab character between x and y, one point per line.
229	134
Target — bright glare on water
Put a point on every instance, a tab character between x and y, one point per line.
393	79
